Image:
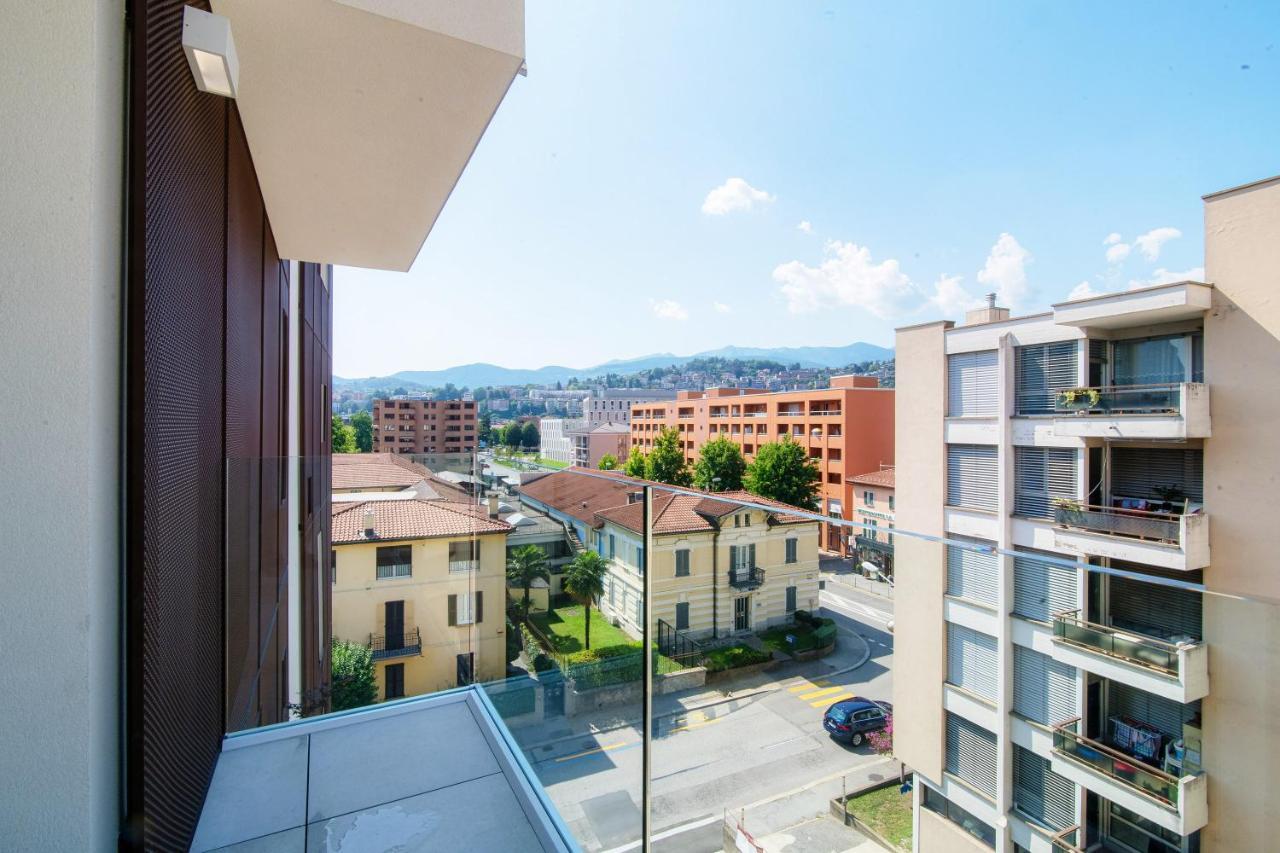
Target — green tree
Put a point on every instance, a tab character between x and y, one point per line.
665	463
344	437
720	466
525	565
483	428
635	466
529	435
584	580
513	435
362	423
354	685
782	470
608	462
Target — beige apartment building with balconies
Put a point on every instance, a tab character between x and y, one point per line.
1130	707
425	426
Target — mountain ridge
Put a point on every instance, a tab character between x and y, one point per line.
480	374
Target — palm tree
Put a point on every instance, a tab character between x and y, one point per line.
525	565
584	580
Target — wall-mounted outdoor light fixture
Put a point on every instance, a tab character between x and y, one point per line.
206	40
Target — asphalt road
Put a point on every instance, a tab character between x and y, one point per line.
764	756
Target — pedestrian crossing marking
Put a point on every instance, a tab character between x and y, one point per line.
831	700
808	685
826	691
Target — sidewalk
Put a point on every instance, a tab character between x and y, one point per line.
558	729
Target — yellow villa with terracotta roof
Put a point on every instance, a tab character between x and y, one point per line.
422	583
720	568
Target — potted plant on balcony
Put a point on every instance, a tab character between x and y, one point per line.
1067	511
1172	496
1078	399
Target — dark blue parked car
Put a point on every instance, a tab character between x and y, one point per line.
853	719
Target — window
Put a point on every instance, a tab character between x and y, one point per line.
1040	793
791	545
971	476
746	519
737	521
742	557
935	802
972	574
682	563
682	616
972	383
1041	476
467	608
1042	588
393	675
1040	372
971	754
873	533
869	498
890	503
1044	690
791	599
613	546
971	660
333	566
395	561
464	555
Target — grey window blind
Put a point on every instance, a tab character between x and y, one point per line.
971	476
971	660
1165	714
1041	589
1162	611
1040	372
682	562
972	574
1040	793
1044	690
682	616
972	384
1137	472
971	754
1040	475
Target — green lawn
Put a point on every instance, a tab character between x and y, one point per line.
565	627
729	657
776	638
887	812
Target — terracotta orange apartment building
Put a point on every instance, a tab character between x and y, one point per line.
424	426
847	430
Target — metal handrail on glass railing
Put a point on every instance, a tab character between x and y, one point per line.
1068	840
1162	398
1120	766
1114	521
1116	642
407	642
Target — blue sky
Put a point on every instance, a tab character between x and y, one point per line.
935	152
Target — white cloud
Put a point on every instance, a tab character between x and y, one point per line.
669	309
734	194
1112	238
1006	271
1118	252
950	298
847	276
1083	290
1164	276
721	308
1149	244
805	226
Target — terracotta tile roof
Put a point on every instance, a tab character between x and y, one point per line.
391	471
779	518
883	478
411	519
605	496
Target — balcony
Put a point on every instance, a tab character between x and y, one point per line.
746	578
1177	671
1178	541
407	643
463	566
826	413
1179	805
1068	840
1174	410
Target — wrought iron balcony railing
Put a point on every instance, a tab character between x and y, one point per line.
403	644
746	578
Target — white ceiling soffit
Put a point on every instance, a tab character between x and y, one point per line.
361	114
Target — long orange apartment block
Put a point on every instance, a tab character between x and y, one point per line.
424	426
847	429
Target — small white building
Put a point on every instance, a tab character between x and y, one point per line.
555	442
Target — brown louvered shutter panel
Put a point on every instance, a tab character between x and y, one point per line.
479	607
453	610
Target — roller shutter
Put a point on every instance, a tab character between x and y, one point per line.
972	384
1164	714
1041	589
1040	793
972	575
1040	372
971	476
1137	472
1042	474
1044	690
971	660
971	754
1162	611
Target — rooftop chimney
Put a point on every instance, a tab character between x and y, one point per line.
493	506
988	314
370	522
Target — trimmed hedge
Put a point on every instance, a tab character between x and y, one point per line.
731	657
811	632
611	665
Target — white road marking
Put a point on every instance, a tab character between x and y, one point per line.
858	610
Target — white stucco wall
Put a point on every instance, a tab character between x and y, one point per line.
61	150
